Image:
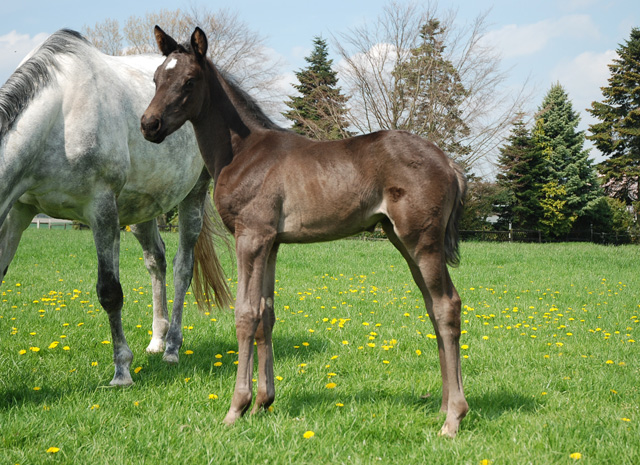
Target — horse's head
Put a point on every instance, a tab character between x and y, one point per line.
180	86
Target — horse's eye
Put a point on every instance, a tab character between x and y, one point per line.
189	84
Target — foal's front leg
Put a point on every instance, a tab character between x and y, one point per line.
266	387
252	253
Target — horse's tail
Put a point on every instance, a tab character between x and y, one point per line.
208	275
451	246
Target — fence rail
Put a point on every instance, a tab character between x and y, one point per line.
51	223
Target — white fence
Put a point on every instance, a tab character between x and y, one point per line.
51	223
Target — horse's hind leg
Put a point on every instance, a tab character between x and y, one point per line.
106	235
190	215
427	264
154	259
266	388
15	223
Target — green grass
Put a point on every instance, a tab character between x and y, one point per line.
551	363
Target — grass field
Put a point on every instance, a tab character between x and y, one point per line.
551	361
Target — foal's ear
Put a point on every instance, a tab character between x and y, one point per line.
199	44
165	42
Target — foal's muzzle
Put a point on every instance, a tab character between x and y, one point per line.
151	127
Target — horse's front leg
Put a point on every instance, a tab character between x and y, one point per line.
106	235
266	388
190	215
153	250
253	251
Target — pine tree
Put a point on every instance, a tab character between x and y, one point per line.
318	112
429	93
617	135
570	181
521	176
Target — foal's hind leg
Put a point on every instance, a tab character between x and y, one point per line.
429	271
190	214
266	388
153	250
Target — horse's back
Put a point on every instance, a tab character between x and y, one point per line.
83	127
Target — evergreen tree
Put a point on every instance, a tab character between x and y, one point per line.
570	180
521	176
429	93
318	112
617	135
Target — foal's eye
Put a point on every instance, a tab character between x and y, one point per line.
189	84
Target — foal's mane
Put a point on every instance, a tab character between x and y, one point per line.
244	103
34	75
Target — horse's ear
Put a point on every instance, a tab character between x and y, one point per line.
165	42
199	44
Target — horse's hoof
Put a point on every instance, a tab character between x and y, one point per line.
170	358
155	347
122	381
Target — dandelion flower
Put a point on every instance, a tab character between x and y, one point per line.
37	349
53	450
188	352
576	456
331	385
106	342
308	434
22	352
213	396
137	370
37	388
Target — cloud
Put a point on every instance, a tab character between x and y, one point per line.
583	77
13	49
522	40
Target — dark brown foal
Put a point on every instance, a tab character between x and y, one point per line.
274	187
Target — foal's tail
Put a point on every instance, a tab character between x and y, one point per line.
451	245
208	275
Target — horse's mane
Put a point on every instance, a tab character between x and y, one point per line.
34	75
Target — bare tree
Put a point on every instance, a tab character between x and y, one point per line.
106	36
233	47
383	98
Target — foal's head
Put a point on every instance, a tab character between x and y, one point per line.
180	86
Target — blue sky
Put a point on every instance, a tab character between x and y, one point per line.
544	41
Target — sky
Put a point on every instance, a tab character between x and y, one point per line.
541	42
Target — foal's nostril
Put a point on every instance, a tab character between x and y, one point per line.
150	125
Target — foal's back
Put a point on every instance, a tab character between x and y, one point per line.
323	190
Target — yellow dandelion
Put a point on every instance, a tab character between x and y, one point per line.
213	396
485	462
188	352
66	348
576	456
22	352
95	407
34	349
53	450
308	434
609	362
137	370
94	364
346	343
418	352
37	388
279	378
626	419
331	385
106	342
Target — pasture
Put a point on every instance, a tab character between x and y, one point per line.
550	348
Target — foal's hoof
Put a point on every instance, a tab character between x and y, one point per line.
448	431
